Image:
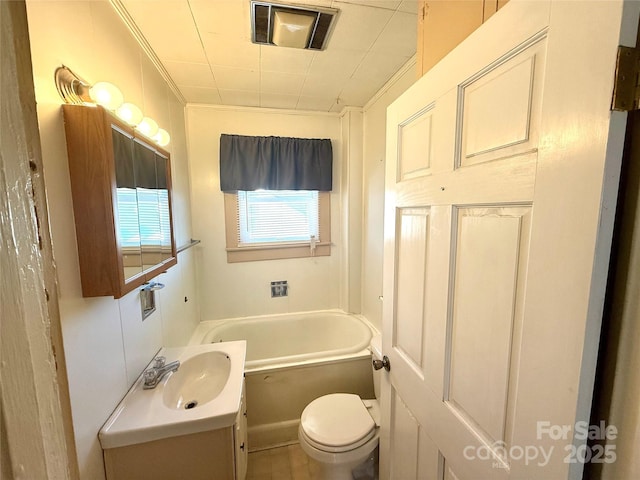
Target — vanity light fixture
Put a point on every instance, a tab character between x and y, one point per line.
148	127
107	95
162	138
130	113
73	89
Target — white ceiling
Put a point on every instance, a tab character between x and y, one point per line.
205	46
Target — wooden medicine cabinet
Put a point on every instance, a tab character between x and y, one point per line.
121	187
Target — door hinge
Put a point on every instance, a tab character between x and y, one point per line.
626	91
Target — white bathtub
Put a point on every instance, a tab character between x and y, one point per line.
291	360
279	340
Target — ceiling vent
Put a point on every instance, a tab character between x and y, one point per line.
291	26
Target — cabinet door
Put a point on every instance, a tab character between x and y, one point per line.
444	24
240	436
491	7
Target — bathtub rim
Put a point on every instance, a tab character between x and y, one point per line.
205	326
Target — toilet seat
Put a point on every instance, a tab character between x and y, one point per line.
342	449
338	422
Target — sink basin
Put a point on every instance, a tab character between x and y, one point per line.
203	394
199	380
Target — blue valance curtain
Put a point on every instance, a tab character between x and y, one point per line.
275	163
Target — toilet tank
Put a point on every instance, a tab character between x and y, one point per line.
376	354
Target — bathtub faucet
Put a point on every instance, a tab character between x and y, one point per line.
153	375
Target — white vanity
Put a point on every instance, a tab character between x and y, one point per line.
192	424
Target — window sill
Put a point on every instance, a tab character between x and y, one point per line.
255	253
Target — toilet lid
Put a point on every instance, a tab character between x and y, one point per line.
336	420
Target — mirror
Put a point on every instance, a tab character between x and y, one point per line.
127	212
148	205
144	222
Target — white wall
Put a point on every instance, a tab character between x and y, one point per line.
351	208
106	343
242	289
375	118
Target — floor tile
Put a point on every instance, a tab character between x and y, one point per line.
282	463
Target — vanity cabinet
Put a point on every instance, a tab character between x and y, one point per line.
219	454
121	187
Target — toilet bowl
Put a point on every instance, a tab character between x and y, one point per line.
340	431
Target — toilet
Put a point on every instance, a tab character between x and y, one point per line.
340	431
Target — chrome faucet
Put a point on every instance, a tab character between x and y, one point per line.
154	375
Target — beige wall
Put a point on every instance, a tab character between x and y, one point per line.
241	289
106	343
373	190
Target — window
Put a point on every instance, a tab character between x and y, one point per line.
277	216
272	224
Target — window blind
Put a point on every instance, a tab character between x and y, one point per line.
277	216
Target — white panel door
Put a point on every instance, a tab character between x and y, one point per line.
501	180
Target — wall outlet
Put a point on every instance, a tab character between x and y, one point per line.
279	289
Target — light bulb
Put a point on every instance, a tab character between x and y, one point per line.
162	138
107	95
148	127
130	114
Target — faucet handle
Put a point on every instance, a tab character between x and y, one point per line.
150	376
159	362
